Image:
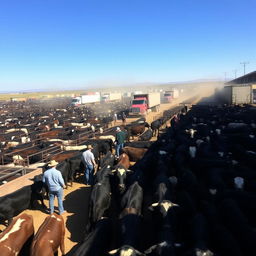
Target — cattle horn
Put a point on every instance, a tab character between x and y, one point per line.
113	171
154	204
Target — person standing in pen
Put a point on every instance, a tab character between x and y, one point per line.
90	164
120	138
115	118
124	118
54	180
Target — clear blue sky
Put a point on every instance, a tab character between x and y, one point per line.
74	43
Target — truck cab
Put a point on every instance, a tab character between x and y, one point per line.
168	96
139	105
76	101
142	103
105	98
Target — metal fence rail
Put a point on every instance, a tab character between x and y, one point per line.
8	172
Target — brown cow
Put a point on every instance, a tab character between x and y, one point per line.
134	154
49	237
124	160
136	129
17	237
50	134
64	155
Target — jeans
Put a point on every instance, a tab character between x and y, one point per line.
59	195
88	174
118	148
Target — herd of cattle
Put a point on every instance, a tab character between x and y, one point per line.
32	132
191	193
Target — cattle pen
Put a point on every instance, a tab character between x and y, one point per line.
75	217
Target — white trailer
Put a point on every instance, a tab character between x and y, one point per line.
175	93
154	100
86	99
106	97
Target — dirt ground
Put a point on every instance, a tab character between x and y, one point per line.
76	200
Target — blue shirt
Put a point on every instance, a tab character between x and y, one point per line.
53	178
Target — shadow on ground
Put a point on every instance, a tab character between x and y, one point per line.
77	202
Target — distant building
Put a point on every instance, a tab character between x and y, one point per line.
241	90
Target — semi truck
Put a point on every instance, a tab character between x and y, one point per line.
170	95
89	98
142	103
109	96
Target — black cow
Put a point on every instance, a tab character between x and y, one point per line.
64	168
164	199
99	202
14	203
139	144
130	235
146	136
200	236
133	198
103	173
126	250
234	219
164	216
39	188
100	146
97	242
76	166
222	240
155	126
107	160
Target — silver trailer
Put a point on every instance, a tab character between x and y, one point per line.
238	94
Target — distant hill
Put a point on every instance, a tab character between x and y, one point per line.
147	86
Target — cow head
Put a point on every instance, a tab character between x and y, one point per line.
147	125
163	248
191	132
125	250
239	182
213	191
120	175
199	252
192	151
164	206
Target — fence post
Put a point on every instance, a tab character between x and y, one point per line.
27	160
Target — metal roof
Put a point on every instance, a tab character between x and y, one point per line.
246	79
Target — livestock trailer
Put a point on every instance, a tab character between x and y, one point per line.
170	95
107	97
240	94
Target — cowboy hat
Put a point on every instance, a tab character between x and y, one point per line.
118	129
52	163
89	147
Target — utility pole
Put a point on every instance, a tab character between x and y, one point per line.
235	70
244	63
225	74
